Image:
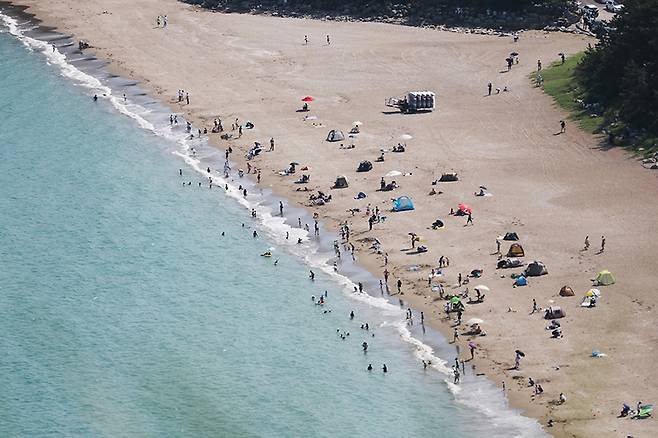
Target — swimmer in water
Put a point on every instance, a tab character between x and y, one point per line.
352	314
311	275
299	241
223	234
255	234
384	368
369	367
276	262
95	97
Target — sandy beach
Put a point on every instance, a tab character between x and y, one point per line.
552	189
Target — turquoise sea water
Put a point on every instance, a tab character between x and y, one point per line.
124	312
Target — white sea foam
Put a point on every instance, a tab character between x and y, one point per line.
483	397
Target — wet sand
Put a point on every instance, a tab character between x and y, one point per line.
553	190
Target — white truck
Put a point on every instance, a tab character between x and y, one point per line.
414	101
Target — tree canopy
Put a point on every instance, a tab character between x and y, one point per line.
621	72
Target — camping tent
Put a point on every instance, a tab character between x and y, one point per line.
516	250
509	263
364	166
566	291
341	182
335	135
449	177
535	269
605	278
403	203
511	236
521	281
554	312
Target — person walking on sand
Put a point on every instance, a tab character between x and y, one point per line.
328	41
305	39
187	98
563	126
459	279
472	347
455	336
539	65
534	306
272	144
602	244
469	220
399	286
586	243
489	87
386	276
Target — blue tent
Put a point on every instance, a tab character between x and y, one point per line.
521	281
403	203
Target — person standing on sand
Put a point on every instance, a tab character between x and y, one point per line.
386	276
455	337
187	98
305	39
328	41
471	346
272	144
586	243
459	279
399	286
469	219
602	244
534	306
539	65
517	361
563	126
489	88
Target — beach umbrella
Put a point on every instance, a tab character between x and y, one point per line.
308	99
484	188
474	321
455	300
465	208
520	353
514	54
294	163
482	288
357	123
472	345
393	173
405	137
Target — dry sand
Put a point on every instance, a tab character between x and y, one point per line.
551	189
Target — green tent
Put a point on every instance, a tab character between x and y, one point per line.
605	278
645	411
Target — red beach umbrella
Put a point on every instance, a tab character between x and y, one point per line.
308	99
465	208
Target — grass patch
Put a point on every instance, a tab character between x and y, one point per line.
559	82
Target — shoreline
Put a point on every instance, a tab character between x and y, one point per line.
373	265
427	342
